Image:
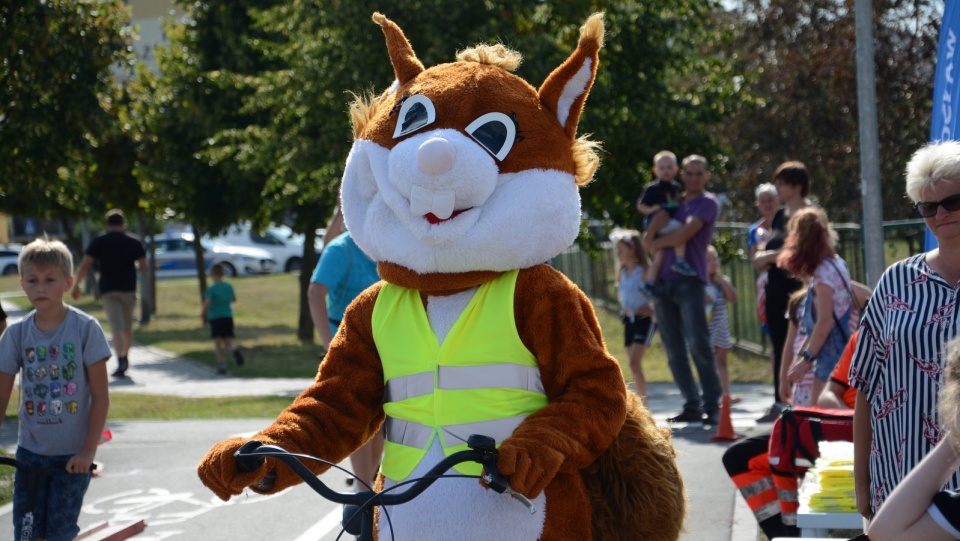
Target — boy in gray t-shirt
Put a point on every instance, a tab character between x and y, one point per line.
60	354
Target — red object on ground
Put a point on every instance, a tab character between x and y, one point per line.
725	428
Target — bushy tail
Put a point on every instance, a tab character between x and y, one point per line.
635	486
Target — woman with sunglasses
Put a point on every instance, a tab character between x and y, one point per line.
898	365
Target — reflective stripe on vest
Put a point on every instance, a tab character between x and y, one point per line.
417	435
504	376
410	386
482	380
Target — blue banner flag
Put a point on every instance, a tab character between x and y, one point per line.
945	121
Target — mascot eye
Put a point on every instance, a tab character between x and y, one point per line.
416	112
496	132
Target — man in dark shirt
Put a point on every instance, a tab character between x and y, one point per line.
120	255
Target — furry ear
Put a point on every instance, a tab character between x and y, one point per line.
565	90
406	65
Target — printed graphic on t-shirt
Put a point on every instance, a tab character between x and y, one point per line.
49	372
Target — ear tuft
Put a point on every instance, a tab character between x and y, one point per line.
565	90
406	65
592	30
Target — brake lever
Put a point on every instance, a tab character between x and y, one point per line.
498	483
494	479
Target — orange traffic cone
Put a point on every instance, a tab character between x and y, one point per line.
725	429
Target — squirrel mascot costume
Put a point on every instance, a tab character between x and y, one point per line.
461	182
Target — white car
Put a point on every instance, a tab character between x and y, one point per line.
284	245
9	253
175	257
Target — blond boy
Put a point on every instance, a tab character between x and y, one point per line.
63	391
663	195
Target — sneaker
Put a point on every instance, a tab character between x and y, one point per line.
684	268
772	414
123	364
119	373
221	371
711	419
651	291
238	357
687	416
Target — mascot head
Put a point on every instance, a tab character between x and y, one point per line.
465	166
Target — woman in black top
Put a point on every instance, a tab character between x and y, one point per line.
793	185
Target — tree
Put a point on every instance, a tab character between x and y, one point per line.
324	50
661	85
55	92
184	109
798	59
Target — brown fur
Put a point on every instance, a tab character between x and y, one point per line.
481	73
635	487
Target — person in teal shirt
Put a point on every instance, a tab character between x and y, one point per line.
218	312
342	273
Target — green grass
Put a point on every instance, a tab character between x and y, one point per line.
141	407
266	315
744	368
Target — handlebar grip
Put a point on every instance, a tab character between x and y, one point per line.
488	447
245	461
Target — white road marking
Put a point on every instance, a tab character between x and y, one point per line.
326	525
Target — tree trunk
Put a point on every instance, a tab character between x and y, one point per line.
147	289
305	321
201	264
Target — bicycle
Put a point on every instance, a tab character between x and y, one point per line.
482	449
33	484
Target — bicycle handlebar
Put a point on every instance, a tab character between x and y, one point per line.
482	449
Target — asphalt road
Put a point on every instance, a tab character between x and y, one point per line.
149	473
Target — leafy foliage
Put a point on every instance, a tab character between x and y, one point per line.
656	87
798	59
184	110
55	95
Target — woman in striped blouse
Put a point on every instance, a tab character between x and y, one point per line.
898	366
918	508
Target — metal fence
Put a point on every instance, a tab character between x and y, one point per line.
595	274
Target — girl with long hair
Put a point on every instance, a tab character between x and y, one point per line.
635	308
828	318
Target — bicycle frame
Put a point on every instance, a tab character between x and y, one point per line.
482	450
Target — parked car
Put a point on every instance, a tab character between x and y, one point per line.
9	253
284	245
175	257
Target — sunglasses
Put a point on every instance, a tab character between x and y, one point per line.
928	209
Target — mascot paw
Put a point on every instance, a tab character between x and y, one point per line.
218	470
529	467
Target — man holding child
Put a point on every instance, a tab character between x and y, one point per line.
680	312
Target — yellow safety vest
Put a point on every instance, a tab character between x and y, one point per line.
483	380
